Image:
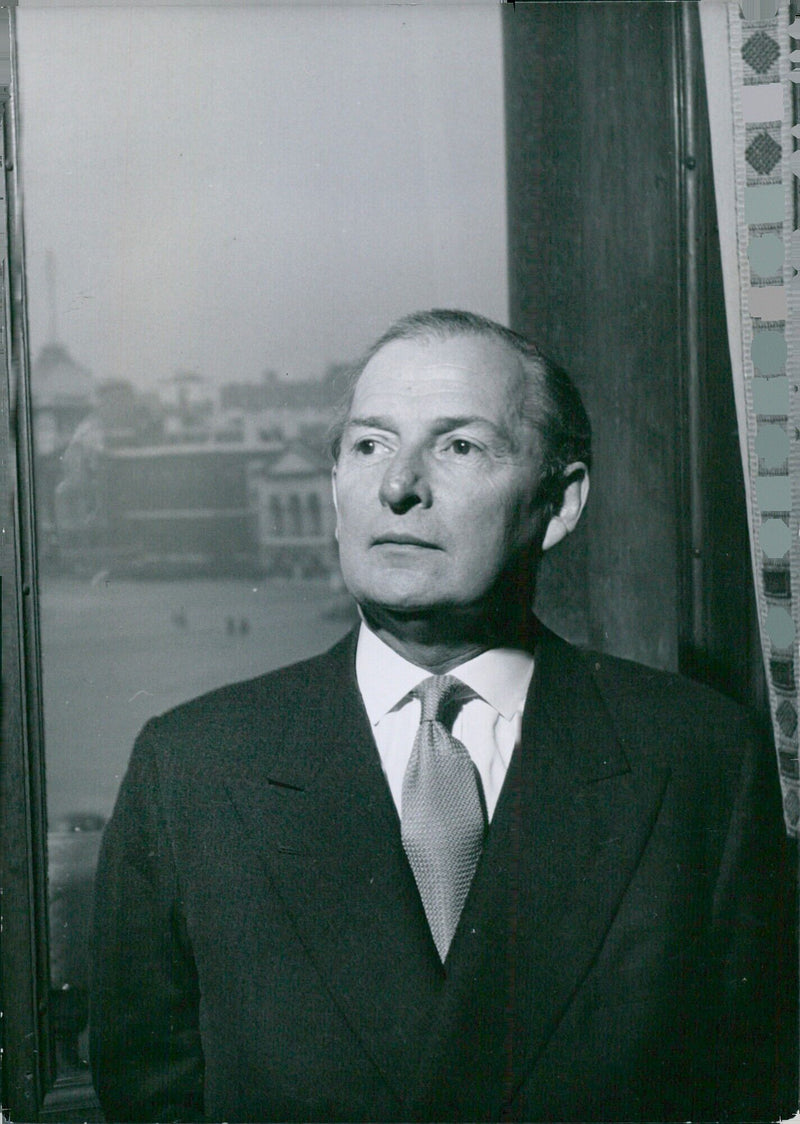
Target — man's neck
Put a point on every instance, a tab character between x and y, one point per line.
440	642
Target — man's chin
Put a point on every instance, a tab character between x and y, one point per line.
397	591
406	605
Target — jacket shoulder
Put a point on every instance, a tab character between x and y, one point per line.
666	715
633	683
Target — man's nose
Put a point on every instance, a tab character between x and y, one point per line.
405	485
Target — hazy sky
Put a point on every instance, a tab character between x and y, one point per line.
229	189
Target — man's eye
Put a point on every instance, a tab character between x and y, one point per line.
366	446
461	447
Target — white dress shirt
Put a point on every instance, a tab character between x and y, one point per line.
489	725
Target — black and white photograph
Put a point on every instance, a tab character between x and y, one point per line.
400	568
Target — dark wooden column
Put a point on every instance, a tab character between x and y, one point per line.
614	269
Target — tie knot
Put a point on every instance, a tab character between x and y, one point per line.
439	697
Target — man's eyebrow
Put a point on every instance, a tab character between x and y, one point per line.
374	421
444	425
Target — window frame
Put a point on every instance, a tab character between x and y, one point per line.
27	1050
30	1088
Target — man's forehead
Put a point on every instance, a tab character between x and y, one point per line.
457	364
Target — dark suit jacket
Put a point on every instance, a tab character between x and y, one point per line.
261	952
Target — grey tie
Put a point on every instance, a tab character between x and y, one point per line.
443	820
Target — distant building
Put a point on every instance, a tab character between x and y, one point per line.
62	394
80	527
173	482
295	518
188	406
207	509
289	408
181	509
128	416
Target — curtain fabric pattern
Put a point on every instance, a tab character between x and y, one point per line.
749	54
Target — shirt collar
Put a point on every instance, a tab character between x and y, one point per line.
500	676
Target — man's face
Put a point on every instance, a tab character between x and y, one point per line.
436	478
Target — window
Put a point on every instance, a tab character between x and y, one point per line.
186	239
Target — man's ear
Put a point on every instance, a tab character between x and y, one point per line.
573	501
335	502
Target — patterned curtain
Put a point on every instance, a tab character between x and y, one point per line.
749	52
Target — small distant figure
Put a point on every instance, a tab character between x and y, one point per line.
230	626
179	618
244	626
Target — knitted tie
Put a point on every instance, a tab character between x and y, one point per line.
443	820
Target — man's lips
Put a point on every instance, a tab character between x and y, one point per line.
404	540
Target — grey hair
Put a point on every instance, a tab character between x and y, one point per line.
552	404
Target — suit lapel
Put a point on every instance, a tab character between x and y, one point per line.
316	804
567	835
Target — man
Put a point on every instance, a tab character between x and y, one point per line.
453	869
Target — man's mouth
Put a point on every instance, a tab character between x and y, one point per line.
404	540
